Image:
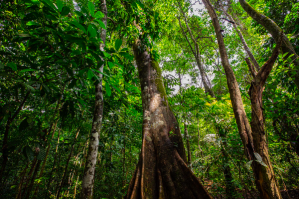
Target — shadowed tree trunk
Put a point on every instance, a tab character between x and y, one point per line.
265	174
186	135
275	31
162	171
89	171
254	146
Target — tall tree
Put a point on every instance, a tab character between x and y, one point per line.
162	170
254	142
91	159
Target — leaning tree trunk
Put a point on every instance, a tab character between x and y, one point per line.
162	171
267	186
263	174
89	171
196	53
275	31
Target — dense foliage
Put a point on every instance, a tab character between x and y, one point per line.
50	57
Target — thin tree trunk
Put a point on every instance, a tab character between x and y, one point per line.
246	48
186	135
55	158
265	180
32	179
67	164
162	171
21	182
196	53
89	171
5	138
28	177
53	132
275	31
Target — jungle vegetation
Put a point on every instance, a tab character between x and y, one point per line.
149	99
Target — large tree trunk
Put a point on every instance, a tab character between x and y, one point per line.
89	171
265	180
264	175
275	31
162	171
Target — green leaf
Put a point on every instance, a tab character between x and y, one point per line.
106	54
110	64
78	25
49	4
59	5
91	8
83	103
26	70
32	23
126	55
92	31
12	66
90	74
118	44
108	91
65	11
100	72
101	24
99	14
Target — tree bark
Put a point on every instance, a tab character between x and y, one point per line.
262	174
89	171
186	135
265	180
162	171
37	167
275	31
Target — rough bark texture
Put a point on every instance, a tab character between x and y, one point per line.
275	31
235	95
162	171
89	171
264	175
265	179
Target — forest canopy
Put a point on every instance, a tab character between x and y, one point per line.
158	99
